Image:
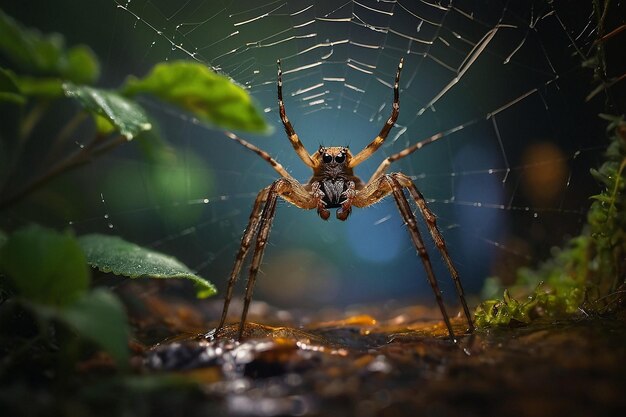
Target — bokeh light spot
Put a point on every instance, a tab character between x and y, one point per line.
546	177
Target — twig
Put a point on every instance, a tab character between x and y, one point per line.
611	34
605	86
78	158
31	119
65	133
25	129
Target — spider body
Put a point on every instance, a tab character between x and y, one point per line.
334	180
334	185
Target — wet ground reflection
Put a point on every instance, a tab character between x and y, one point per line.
403	365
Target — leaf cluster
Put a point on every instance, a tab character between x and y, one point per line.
40	70
45	272
587	274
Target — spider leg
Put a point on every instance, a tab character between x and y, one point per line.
265	224
380	139
431	222
291	191
382	168
382	187
291	133
274	163
246	239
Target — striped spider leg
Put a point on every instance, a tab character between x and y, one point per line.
334	185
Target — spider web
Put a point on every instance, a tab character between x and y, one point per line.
498	84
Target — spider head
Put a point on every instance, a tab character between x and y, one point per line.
332	162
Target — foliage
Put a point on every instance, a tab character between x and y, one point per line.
43	70
587	273
209	96
48	311
48	273
45	267
113	254
32	52
606	216
126	116
99	316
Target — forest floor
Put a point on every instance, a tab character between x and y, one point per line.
372	361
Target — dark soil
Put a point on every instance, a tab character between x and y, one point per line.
404	365
373	361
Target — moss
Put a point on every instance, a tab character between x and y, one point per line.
585	275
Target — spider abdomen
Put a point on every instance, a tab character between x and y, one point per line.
333	192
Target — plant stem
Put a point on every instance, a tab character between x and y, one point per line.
65	132
31	119
25	129
78	158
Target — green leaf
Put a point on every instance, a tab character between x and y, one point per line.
114	254
46	266
80	65
126	115
9	91
100	317
170	178
103	125
33	52
209	96
25	85
40	87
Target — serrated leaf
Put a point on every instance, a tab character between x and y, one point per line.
126	115
46	266
39	54
208	96
100	317
114	254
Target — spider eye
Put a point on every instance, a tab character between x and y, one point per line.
327	158
340	158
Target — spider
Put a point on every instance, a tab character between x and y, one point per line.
335	186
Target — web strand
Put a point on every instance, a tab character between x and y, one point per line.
484	90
